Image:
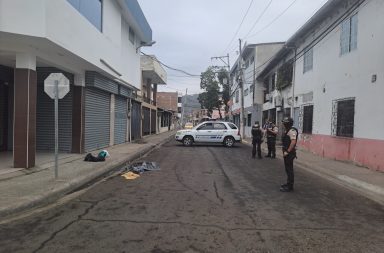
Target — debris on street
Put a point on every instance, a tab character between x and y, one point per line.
141	167
99	158
130	175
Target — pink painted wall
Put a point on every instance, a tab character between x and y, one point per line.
366	152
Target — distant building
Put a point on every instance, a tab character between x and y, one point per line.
252	60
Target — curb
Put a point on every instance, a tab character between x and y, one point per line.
371	192
75	184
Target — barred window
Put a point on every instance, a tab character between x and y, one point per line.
308	119
348	36
249	120
308	60
345	117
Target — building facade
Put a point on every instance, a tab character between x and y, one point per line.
338	81
153	74
96	45
252	61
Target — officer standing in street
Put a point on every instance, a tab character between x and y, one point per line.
257	139
289	152
271	133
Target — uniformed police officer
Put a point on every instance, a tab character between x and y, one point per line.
289	140
257	139
271	132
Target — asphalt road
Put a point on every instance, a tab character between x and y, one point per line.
205	199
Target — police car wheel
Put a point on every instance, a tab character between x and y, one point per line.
187	141
229	142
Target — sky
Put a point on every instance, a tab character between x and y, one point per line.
189	32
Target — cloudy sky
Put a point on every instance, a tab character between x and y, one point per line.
189	32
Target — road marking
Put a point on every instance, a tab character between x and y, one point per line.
362	184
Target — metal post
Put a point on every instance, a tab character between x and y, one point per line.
56	129
293	85
241	85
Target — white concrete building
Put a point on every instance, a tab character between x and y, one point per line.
339	81
96	44
253	60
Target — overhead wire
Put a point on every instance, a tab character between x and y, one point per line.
259	18
169	67
318	38
274	20
241	23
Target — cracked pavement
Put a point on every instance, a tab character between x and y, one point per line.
205	198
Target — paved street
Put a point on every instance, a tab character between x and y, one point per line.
205	198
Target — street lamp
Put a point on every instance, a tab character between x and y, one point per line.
145	44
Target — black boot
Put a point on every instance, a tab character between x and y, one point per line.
286	188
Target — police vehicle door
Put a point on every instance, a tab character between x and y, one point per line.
220	131
204	132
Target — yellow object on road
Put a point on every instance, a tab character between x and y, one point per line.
130	175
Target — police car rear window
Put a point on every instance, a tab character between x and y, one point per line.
232	126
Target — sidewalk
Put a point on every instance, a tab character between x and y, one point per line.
361	180
20	191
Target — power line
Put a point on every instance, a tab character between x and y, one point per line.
169	67
318	39
258	19
274	20
241	23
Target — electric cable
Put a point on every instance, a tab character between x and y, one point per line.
273	21
241	23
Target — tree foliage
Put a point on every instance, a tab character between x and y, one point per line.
212	81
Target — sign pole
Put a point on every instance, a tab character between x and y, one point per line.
56	129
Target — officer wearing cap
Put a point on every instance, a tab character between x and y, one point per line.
271	132
289	140
257	139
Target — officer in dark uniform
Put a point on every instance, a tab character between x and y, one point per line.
289	140
257	139
271	133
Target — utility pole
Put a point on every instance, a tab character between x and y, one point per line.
241	86
182	107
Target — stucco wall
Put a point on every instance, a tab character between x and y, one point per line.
349	75
62	24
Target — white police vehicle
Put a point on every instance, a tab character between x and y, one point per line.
226	133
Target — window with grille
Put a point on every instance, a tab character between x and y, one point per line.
307	119
348	36
345	117
308	60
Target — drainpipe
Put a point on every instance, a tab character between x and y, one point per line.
293	84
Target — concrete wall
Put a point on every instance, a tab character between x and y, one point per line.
63	25
336	77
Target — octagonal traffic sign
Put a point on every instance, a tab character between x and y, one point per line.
62	85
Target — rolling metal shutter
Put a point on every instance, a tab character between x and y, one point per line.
146	121
120	119
97	119
153	121
45	115
135	120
